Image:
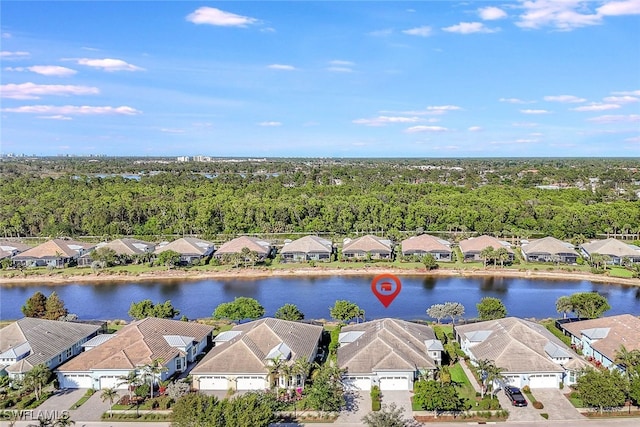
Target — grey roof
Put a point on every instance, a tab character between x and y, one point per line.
477	336
548	245
611	247
47	339
347	337
517	345
17	351
596	333
128	246
386	345
178	340
250	350
434	345
555	351
308	244
98	339
226	336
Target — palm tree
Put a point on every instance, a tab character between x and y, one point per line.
302	367
487	254
131	380
43	422
151	371
564	306
495	374
37	377
482	368
274	368
64	421
111	395
626	358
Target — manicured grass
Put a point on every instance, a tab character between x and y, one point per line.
620	272
463	385
575	400
83	399
551	327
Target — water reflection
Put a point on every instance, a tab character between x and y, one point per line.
494	284
429	283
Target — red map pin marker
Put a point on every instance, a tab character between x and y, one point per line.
386	287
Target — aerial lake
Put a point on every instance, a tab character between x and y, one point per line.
523	297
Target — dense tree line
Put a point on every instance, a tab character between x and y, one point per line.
333	198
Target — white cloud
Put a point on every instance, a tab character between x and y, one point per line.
5	54
36	91
626	99
270	124
633	139
171	130
616	8
491	13
567	99
524	124
220	18
342	62
597	107
109	64
340	69
534	111
631	118
73	110
515	101
563	15
46	70
443	108
526	141
56	117
474	129
340	66
384	120
281	67
421	128
628	92
469	28
381	33
424	31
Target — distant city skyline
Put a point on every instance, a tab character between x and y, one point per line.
535	78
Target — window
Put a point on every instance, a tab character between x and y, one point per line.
179	364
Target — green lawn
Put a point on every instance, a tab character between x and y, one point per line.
620	272
463	385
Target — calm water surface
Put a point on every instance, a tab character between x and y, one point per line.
314	295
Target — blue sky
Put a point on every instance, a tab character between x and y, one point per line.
339	79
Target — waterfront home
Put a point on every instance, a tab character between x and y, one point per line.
9	248
29	342
173	343
472	248
53	253
259	355
424	244
307	248
126	248
260	247
616	250
389	353
190	249
367	247
527	352
549	249
600	339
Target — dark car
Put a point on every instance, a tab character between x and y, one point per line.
515	396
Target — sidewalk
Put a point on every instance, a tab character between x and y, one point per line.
469	374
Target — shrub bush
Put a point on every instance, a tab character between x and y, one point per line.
526	389
538	405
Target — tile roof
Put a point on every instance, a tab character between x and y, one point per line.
128	246
548	245
9	248
308	244
47	338
138	343
386	344
425	242
367	243
623	330
56	248
610	247
247	352
477	244
236	245
187	246
516	345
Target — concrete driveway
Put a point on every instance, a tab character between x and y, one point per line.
61	401
516	413
556	405
402	399
358	405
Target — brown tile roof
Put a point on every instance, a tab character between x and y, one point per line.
236	245
548	245
425	243
386	344
246	351
308	244
623	330
516	345
138	343
56	248
129	246
477	244
187	246
367	243
610	247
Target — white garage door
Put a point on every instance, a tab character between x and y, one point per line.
394	383
76	381
213	383
251	383
543	381
112	381
356	383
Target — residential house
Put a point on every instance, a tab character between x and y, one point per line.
307	248
527	352
124	248
29	342
260	247
243	357
9	248
174	343
191	249
367	247
390	353
616	250
53	253
600	339
549	249
472	248
425	244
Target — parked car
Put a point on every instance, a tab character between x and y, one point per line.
515	396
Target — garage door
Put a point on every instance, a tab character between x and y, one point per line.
356	383
252	383
112	381
213	383
543	381
394	383
76	381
